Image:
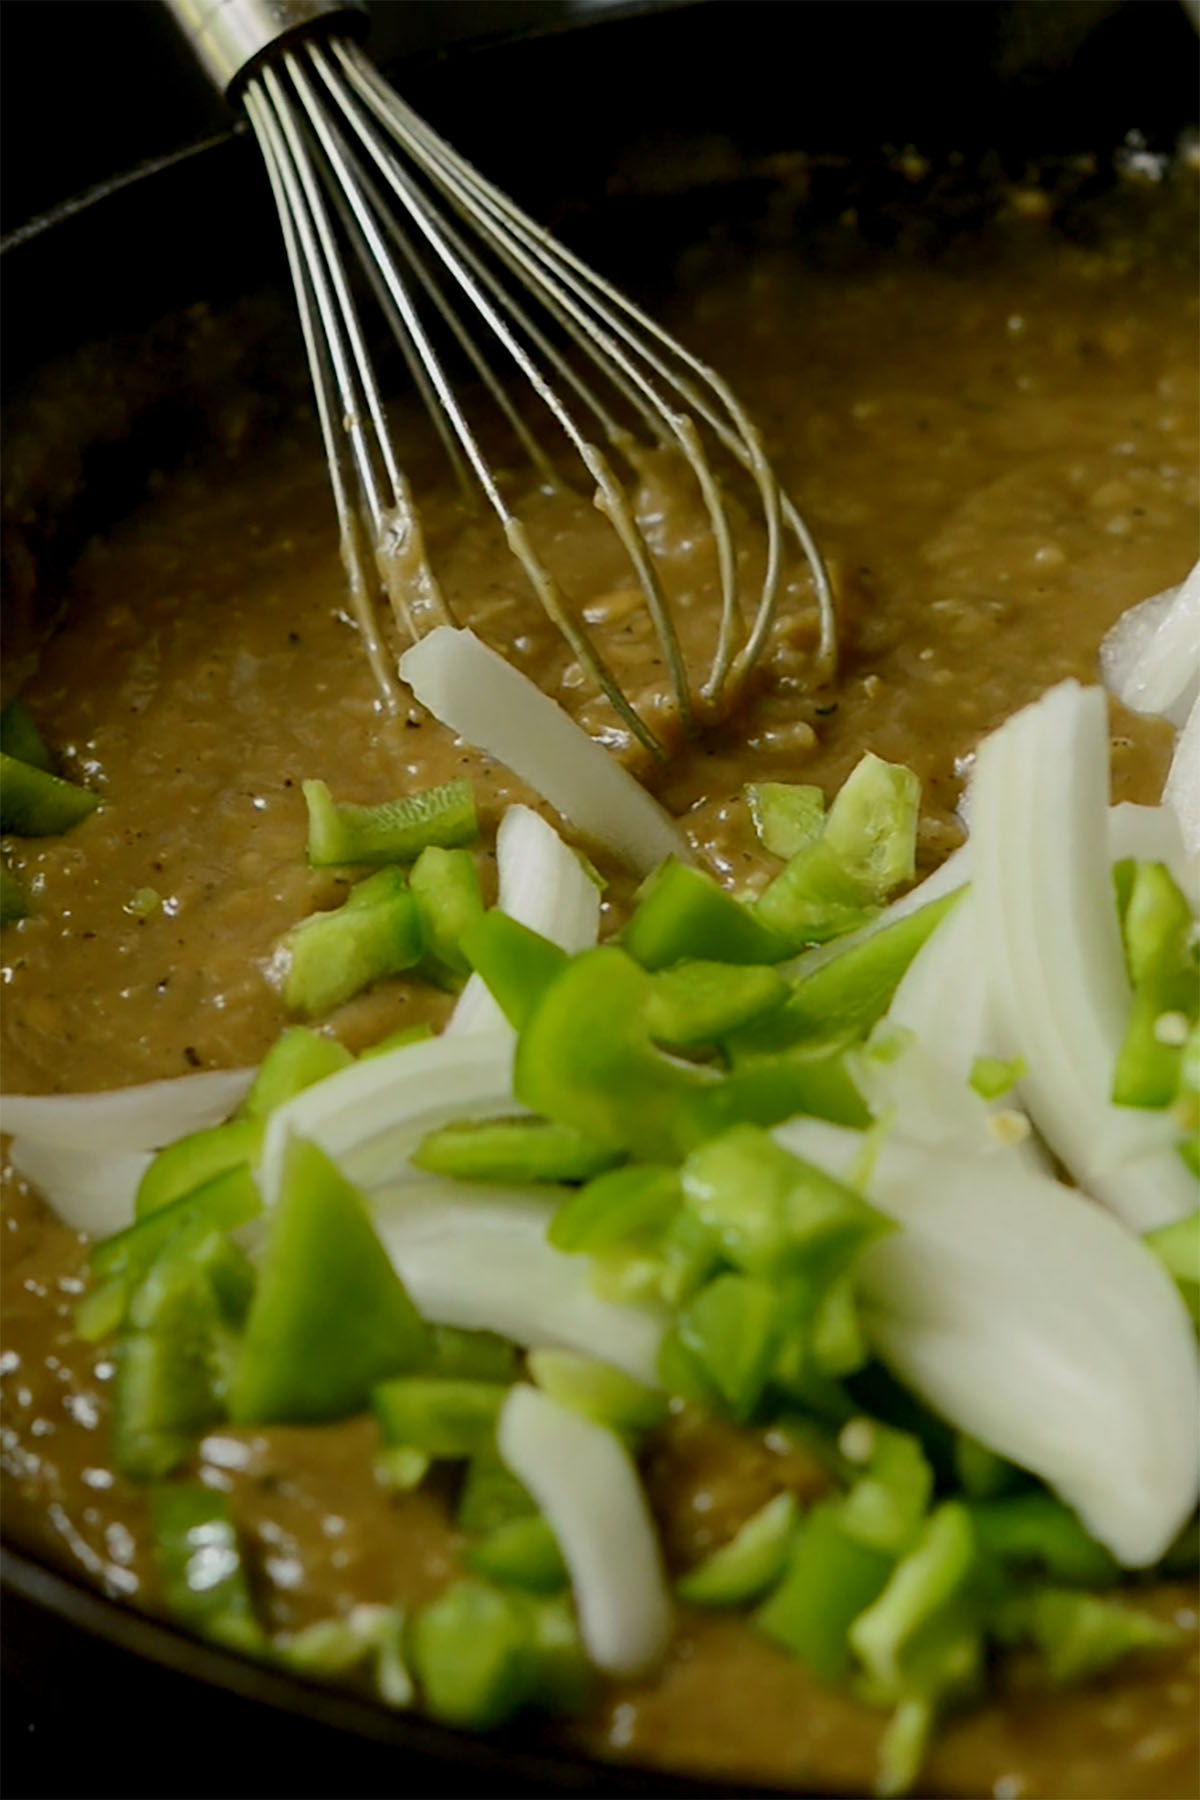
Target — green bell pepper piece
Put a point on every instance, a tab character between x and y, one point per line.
392	832
21	739
298	1059
584	1057
597	1390
331	956
490	1496
702	1002
872	824
813	898
1034	1532
330	1318
204	1581
1177	1246
732	1327
683	914
787	816
473	1355
772	1213
34	803
194	1161
446	886
628	1203
120	1262
927	1582
1079	1635
828	1582
838	1001
890	1496
438	1415
511	1150
751	1562
1159	932
473	1655
172	1367
521	1553
769	1089
516	964
14	902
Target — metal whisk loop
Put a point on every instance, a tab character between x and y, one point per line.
588	299
341	150
494	308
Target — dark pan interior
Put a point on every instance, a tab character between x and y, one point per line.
635	136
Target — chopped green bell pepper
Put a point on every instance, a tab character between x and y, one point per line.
751	1562
204	1581
330	1318
597	1390
34	803
628	1203
21	739
392	832
439	1415
830	1579
683	914
772	1213
787	816
732	1327
516	964
331	956
521	1553
298	1059
511	1150
702	1002
446	886
473	1655
194	1161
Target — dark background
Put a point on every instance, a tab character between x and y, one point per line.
92	88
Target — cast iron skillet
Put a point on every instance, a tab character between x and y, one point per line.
636	135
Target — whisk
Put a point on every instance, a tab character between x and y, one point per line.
351	164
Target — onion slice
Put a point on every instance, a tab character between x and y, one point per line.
1051	944
370	1116
543	884
1151	658
1033	1320
91	1190
476	1256
491	705
586	1485
131	1118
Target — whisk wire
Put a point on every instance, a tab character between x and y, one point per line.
615	503
341	147
315	315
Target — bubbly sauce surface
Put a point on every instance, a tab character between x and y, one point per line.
997	459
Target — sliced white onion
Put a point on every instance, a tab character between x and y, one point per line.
947	878
90	1190
1182	790
1151	658
491	705
542	884
131	1118
586	1485
1033	1320
1154	834
476	1256
1050	937
371	1116
943	995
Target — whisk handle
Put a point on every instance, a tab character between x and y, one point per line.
229	35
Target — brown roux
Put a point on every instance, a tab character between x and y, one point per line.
997	460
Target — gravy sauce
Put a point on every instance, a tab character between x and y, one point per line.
998	456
